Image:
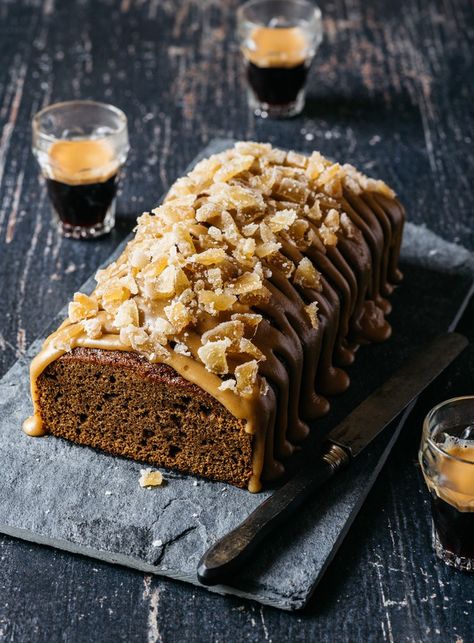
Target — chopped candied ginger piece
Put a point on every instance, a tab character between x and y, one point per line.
155	268
250	229
312	312
306	275
314	212
276	156
316	165
150	478
82	307
256	297
249	348
213	302
129	281
183	239
245	378
92	327
266	180
279	262
252	148
208	211
330	180
266	233
245	251
332	219
113	295
182	200
213	256
139	256
160	330
266	249
134	337
299	228
230	231
330	227
233	330
182	349
171	212
293	190
215	233
213	356
236	196
127	314
298	232
227	385
234	167
296	160
214	277
282	220
251	320
247	283
334	187
172	281
178	315
346	225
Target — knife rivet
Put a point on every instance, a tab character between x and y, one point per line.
336	457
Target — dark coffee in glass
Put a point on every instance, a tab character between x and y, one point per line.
278	40
84	181
81	146
455	529
447	461
277	68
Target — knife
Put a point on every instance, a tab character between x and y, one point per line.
342	444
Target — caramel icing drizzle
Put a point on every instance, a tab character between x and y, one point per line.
257	280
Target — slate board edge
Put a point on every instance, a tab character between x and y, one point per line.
132	563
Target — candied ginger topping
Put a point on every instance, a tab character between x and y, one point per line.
191	281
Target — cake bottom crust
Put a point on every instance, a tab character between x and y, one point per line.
120	403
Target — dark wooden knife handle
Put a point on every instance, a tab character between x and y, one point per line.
232	550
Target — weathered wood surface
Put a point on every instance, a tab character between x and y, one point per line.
391	91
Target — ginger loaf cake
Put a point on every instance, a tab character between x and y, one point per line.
216	337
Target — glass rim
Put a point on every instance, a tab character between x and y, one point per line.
426	428
36	121
316	11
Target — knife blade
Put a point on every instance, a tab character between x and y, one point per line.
342	444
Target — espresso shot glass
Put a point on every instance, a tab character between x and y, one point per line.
447	461
278	40
81	147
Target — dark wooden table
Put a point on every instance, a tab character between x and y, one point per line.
391	91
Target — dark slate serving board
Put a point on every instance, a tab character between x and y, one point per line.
76	499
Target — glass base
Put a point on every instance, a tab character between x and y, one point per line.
87	232
267	110
458	562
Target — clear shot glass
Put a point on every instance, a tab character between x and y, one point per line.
80	147
447	461
278	40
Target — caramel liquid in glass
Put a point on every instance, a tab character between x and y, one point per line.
276	64
82	181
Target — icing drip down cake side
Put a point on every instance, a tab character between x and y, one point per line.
216	337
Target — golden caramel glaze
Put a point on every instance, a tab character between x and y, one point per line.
257	279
